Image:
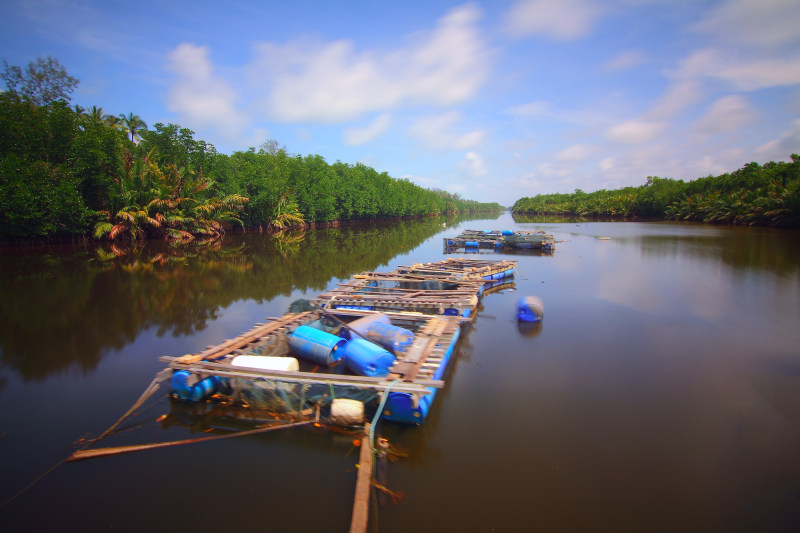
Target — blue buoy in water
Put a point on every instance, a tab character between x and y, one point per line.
530	309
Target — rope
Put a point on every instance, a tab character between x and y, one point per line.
378	413
149	391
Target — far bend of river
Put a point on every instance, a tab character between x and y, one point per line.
660	393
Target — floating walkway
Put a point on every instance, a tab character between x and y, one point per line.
475	240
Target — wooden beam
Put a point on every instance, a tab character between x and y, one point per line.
362	382
220	350
360	519
116	450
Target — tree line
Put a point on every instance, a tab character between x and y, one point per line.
69	170
755	194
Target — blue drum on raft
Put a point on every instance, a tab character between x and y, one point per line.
379	329
317	346
180	385
367	359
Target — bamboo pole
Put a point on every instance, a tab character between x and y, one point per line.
116	450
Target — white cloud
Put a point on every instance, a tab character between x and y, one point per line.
576	152
754	22
727	114
635	131
475	165
679	96
625	61
531	109
438	132
607	163
562	20
333	82
201	98
780	149
745	73
359	136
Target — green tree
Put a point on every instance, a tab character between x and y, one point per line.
132	124
42	82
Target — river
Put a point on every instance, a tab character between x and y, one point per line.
661	391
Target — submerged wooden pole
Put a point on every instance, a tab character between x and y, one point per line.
360	519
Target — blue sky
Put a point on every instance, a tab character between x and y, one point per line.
494	100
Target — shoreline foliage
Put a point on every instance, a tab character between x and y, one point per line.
72	171
755	195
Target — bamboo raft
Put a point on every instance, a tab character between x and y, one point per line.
500	240
431	300
462	269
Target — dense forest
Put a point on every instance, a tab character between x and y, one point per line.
71	171
755	194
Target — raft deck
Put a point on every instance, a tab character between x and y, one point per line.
432	300
500	240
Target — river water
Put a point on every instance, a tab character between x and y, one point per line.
660	393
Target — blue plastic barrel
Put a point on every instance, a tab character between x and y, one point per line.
192	393
508	232
391	337
530	309
317	346
356	307
470	244
367	359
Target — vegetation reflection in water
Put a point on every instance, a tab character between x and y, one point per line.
67	307
762	249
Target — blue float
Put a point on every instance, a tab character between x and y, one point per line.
367	359
315	345
192	393
379	329
530	309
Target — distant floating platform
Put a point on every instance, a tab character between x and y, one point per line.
474	240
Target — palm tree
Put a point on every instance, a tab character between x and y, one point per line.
132	124
95	113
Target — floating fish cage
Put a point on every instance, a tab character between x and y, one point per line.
475	241
379	338
399	292
462	269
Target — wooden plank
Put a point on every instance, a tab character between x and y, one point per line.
363	382
432	341
360	517
220	350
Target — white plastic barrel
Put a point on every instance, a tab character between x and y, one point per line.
264	362
347	412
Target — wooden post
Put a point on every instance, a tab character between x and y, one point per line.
360	519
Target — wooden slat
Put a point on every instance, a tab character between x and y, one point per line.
424	345
255	334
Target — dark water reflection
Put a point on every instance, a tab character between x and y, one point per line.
660	393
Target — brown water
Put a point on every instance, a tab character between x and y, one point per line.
661	392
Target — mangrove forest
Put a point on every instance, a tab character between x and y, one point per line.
756	195
75	171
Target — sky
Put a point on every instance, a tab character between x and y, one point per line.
493	100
